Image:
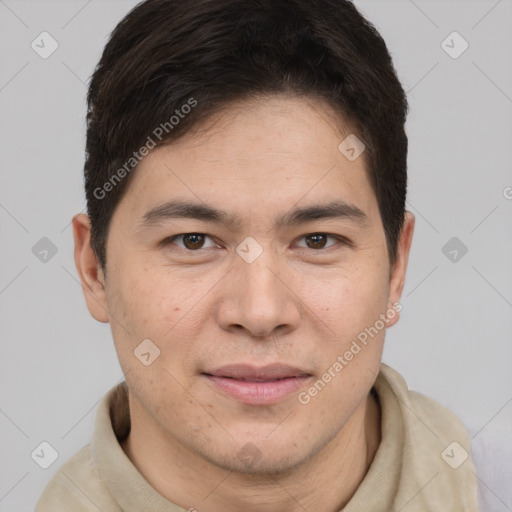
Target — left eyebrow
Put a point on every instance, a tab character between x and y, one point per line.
183	209
332	210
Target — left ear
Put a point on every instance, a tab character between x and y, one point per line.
397	278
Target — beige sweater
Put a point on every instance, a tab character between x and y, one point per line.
422	463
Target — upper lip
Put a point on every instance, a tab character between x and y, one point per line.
248	372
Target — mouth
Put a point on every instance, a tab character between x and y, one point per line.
257	386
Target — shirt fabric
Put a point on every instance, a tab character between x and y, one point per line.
422	464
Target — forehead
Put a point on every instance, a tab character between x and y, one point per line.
271	151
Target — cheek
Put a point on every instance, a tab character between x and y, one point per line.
352	350
348	301
134	304
152	304
149	301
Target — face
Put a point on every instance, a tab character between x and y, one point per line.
252	255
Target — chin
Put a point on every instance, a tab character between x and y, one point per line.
252	455
251	461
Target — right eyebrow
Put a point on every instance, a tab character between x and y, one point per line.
182	209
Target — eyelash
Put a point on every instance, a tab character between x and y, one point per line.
340	239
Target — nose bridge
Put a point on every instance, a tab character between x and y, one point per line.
258	298
254	262
260	280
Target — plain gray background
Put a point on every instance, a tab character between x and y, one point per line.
453	341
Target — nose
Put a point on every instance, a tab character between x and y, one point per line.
258	300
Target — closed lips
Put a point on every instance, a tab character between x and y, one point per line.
251	374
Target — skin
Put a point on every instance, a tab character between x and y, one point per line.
296	304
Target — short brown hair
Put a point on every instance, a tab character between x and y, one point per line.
167	54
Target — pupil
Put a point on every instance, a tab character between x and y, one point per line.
193	241
317	241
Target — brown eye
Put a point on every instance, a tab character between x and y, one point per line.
189	243
316	240
193	241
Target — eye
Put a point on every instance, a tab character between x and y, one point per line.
318	240
191	241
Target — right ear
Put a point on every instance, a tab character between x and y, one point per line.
89	269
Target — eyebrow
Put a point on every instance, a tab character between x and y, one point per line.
185	210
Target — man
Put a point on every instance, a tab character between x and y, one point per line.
247	241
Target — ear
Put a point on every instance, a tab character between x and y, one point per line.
397	277
89	269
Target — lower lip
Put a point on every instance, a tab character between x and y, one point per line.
258	393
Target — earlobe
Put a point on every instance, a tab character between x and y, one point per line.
397	279
89	269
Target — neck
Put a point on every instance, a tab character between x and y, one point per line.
325	482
